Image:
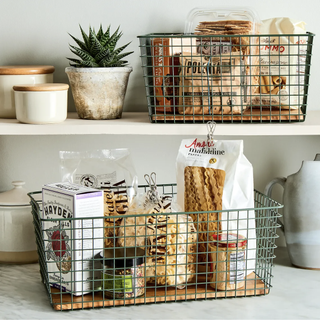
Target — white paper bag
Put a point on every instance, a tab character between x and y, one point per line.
238	188
282	62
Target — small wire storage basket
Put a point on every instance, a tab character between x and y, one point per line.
227	78
159	261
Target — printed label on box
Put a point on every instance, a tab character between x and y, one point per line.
71	243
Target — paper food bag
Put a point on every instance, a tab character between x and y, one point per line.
214	178
282	61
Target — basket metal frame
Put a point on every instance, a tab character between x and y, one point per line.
256	283
162	111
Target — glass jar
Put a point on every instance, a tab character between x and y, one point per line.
123	273
228	261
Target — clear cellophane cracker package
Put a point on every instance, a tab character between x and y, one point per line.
111	170
224	73
169	239
206	88
214	175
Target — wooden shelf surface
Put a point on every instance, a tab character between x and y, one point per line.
137	123
253	287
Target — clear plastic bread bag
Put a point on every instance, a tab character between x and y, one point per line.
167	236
109	169
226	36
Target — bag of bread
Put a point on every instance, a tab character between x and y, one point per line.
211	84
171	251
282	64
168	238
212	176
111	170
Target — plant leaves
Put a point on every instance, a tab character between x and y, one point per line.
124	54
77	61
84	55
96	46
102	55
85	37
113	40
92	38
100	33
105	38
89	64
117	51
80	43
98	50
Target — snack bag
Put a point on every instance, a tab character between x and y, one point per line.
111	170
282	62
214	176
169	239
171	253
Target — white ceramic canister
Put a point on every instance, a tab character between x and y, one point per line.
17	236
16	75
41	103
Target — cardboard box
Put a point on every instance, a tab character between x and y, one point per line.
165	61
72	237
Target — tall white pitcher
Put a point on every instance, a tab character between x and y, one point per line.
301	216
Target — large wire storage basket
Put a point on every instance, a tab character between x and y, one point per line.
236	78
176	273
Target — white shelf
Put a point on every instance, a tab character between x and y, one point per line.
137	123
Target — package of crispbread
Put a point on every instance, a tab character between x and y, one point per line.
211	85
224	33
212	176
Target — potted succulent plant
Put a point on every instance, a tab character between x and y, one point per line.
99	77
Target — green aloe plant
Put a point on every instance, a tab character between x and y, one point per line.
98	49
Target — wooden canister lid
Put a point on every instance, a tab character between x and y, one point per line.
26	70
41	87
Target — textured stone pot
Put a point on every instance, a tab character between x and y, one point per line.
99	93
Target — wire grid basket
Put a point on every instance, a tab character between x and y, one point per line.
171	271
237	78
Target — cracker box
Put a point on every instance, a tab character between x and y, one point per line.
73	227
165	61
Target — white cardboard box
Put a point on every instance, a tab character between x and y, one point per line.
70	245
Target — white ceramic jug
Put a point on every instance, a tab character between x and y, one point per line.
301	216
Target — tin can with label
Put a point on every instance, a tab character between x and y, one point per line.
228	261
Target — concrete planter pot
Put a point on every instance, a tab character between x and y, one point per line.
99	93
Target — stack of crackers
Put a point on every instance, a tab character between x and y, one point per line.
231	28
227	27
245	45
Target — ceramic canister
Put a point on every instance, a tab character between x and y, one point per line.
41	103
17	237
15	75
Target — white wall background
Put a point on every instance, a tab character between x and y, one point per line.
36	32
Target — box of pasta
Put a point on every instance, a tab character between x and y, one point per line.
73	234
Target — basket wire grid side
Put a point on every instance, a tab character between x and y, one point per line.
183	278
197	78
